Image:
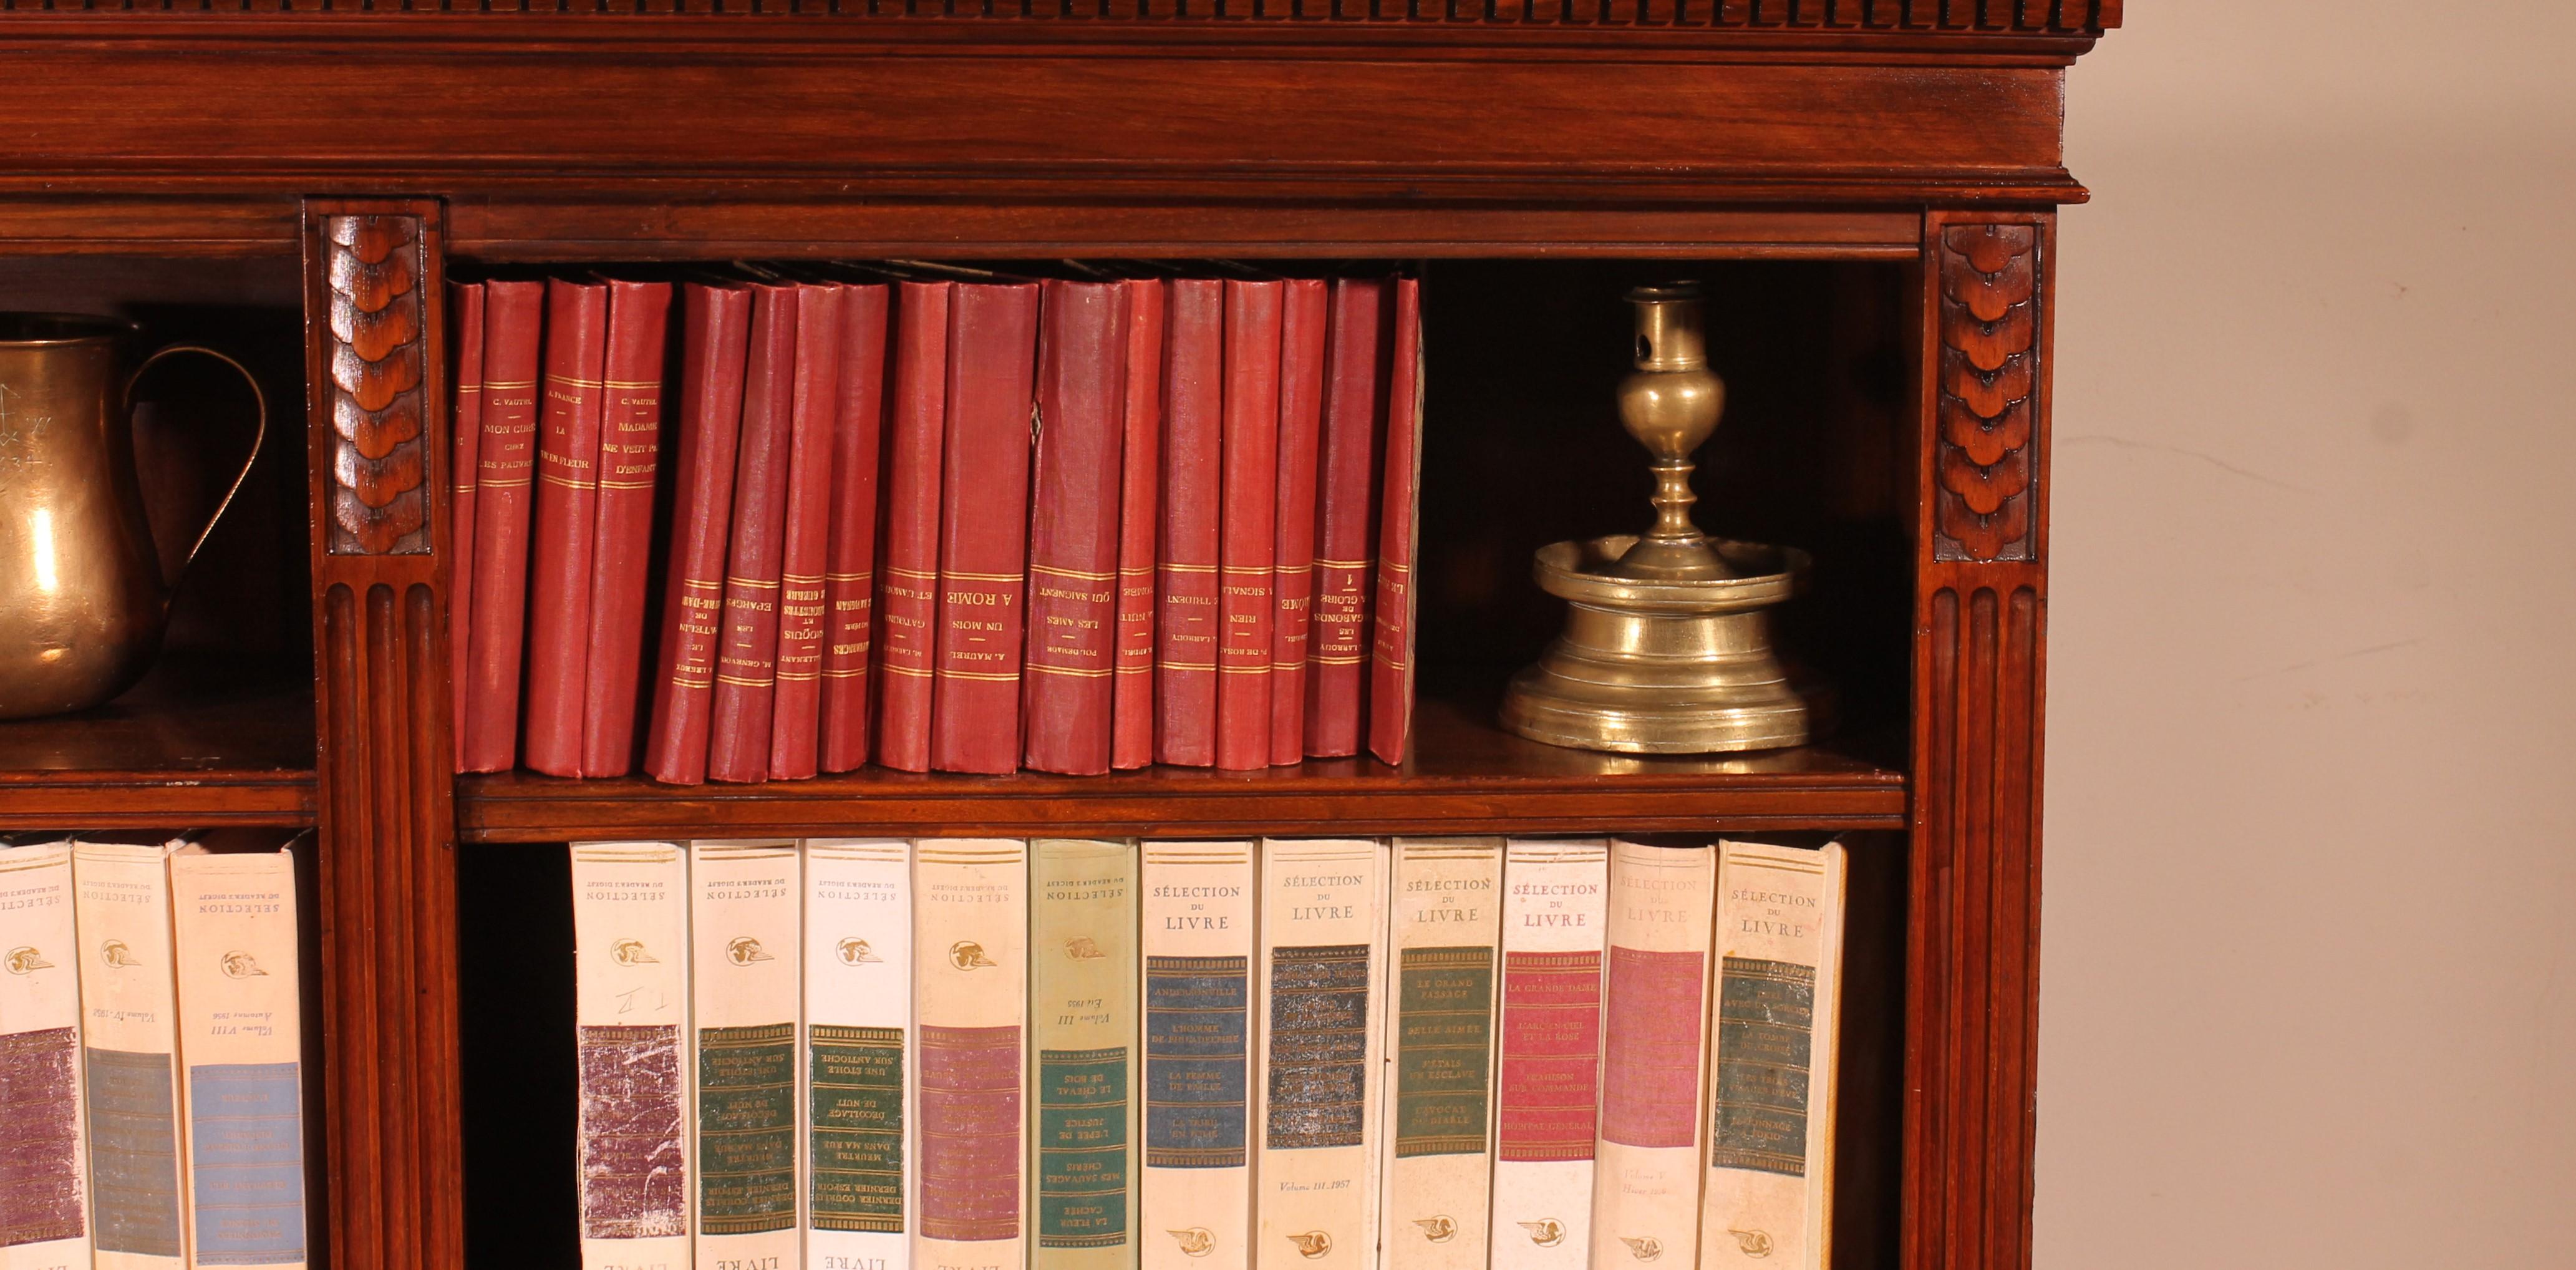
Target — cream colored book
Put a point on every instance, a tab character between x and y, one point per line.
1321	998
746	926
970	964
44	1204
1199	1032
1779	952
241	1037
130	1049
1083	1027
858	1021
1548	1078
1648	1163
630	932
1446	923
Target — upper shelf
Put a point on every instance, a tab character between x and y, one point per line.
196	745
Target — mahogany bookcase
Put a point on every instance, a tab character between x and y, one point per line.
1871	184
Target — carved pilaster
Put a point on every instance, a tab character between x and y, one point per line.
374	323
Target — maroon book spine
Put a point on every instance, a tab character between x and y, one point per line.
505	463
464	456
1357	349
1074	527
714	345
1249	504
1185	622
630	465
1292	586
796	706
984	528
1391	661
747	657
1131	741
908	578
566	518
849	569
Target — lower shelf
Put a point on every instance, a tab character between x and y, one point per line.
199	744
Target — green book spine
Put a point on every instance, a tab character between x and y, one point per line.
1084	1025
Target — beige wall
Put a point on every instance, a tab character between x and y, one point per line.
2309	958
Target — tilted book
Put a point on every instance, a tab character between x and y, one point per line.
1198	945
714	345
44	1178
630	464
464	463
1074	529
970	914
1548	1078
241	1036
916	433
1302	324
130	1049
1439	1159
1082	1024
738	729
630	927
1645	1185
1322	1010
745	954
1769	1196
1358	344
1390	692
804	609
858	1018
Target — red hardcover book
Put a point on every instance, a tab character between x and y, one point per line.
984	528
714	343
908	590
1301	422
849	571
1185	618
796	706
1131	740
505	466
1248	535
630	463
1391	660
747	656
465	426
1074	527
566	518
1357	348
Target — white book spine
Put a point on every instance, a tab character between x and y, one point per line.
745	908
858	1024
1548	1078
630	917
970	985
1649	1162
130	1052
44	1208
1200	1030
1446	921
241	1038
1320	1106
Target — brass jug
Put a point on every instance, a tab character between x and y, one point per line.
82	600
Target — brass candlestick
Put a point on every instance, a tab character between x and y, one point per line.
1667	646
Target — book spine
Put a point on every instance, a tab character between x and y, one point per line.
858	1018
1082	1025
1185	610
1768	1199
1391	657
746	902
747	656
44	1204
1357	349
464	459
1140	483
1074	528
241	1036
909	588
630	922
1548	1077
1439	1159
505	468
1647	1162
983	536
630	464
1196	1193
804	615
713	349
565	525
1321	984
1249	504
1301	421
849	571
970	992
129	1003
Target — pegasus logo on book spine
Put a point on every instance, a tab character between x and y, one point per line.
1645	1247
25	960
1195	1241
966	954
744	950
117	955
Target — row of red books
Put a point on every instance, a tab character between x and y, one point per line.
934	522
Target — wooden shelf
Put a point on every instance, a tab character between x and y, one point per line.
1467	777
199	743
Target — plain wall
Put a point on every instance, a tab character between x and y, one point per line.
2308	978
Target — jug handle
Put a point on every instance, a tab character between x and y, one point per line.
258	435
